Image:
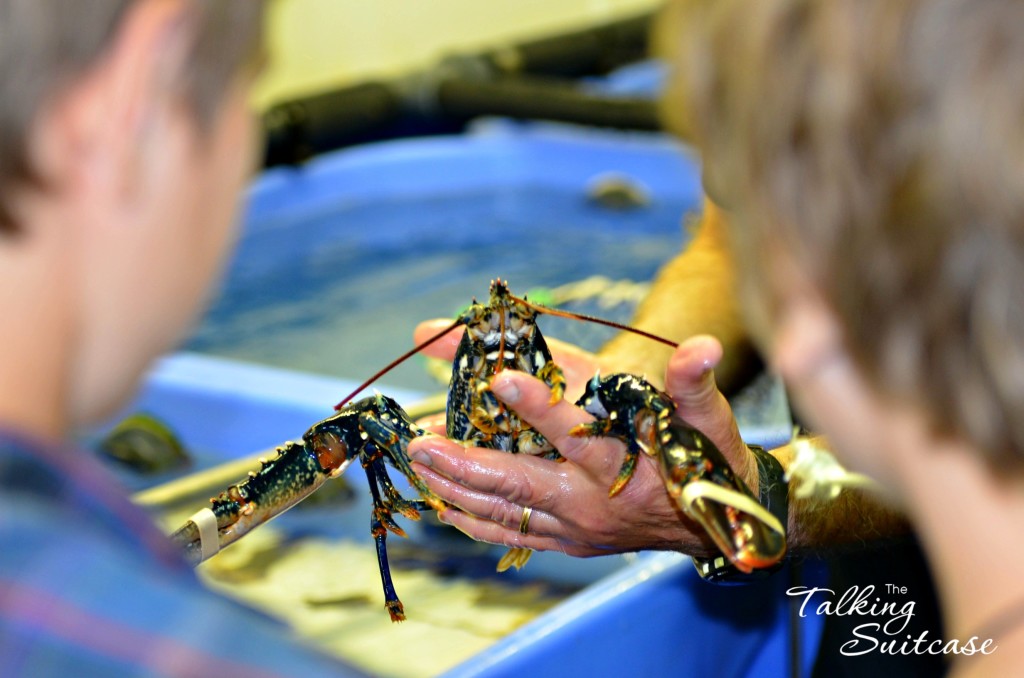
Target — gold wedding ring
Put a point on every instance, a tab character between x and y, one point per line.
524	524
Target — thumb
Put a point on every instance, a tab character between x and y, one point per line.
690	381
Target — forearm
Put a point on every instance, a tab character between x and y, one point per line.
692	294
853	517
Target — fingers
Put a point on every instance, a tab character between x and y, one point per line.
488	508
490	483
498	485
498	533
690	381
489	489
690	378
531	400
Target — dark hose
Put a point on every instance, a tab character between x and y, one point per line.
544	100
518	81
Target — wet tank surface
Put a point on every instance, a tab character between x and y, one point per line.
340	260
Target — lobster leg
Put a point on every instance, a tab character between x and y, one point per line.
392	436
600	428
551	374
488	415
530	441
383	507
379	517
393	499
515	557
627	468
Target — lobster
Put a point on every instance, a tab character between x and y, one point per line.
501	334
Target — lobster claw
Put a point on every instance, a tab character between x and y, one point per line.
743	530
701	482
696	474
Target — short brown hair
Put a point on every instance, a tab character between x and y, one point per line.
46	43
882	142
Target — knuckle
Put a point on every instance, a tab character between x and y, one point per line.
536	396
511	539
517	488
468	471
507	515
571	446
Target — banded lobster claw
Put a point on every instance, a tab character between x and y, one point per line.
282	481
696	475
374	430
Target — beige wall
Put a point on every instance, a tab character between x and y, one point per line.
317	44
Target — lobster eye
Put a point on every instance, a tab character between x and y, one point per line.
596	407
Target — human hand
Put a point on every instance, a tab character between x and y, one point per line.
571	508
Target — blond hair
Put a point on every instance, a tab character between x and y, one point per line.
882	142
44	44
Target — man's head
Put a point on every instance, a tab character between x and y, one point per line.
47	44
125	140
876	147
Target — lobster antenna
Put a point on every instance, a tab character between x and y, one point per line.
395	363
594	319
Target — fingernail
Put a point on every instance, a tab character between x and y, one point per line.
700	356
421	456
442	516
505	388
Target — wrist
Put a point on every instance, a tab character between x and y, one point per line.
772	487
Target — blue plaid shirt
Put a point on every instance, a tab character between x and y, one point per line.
90	587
